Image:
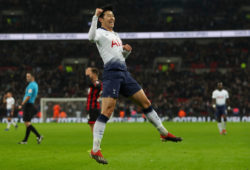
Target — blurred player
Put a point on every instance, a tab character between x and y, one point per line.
117	80
56	112
95	89
10	107
29	109
220	98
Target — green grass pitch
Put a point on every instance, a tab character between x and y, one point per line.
131	146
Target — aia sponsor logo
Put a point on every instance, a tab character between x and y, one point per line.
116	42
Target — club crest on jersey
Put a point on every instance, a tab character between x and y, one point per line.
116	42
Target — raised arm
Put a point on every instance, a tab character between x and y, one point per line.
4	98
88	79
93	27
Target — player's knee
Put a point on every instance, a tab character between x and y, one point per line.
146	104
219	119
108	110
27	124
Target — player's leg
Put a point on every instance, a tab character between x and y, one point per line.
8	124
224	131
39	137
90	121
141	99
12	121
27	133
93	114
112	81
29	112
108	106
31	128
91	125
8	120
218	117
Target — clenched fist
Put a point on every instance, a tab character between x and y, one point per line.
98	11
127	47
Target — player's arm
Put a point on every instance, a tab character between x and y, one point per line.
30	91
92	31
228	102
88	79
214	103
214	100
4	98
12	109
126	50
25	101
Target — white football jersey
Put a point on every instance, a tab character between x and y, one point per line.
9	102
109	46
220	96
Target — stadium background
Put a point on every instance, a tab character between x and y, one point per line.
175	73
185	85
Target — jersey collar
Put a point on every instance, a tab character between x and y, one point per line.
106	29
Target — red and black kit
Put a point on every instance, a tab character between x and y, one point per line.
93	106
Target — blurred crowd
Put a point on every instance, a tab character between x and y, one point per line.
194	53
158	15
186	88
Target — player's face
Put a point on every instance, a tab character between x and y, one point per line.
108	20
92	75
28	77
88	71
220	86
9	94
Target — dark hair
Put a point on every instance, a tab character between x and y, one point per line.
106	8
9	92
95	70
31	73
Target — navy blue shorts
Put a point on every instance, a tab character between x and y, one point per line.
117	82
8	112
221	110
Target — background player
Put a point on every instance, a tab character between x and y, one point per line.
116	79
10	107
94	92
29	109
220	99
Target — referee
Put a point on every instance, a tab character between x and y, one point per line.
29	109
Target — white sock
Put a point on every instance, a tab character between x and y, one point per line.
99	128
224	125
220	126
8	125
13	123
156	121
